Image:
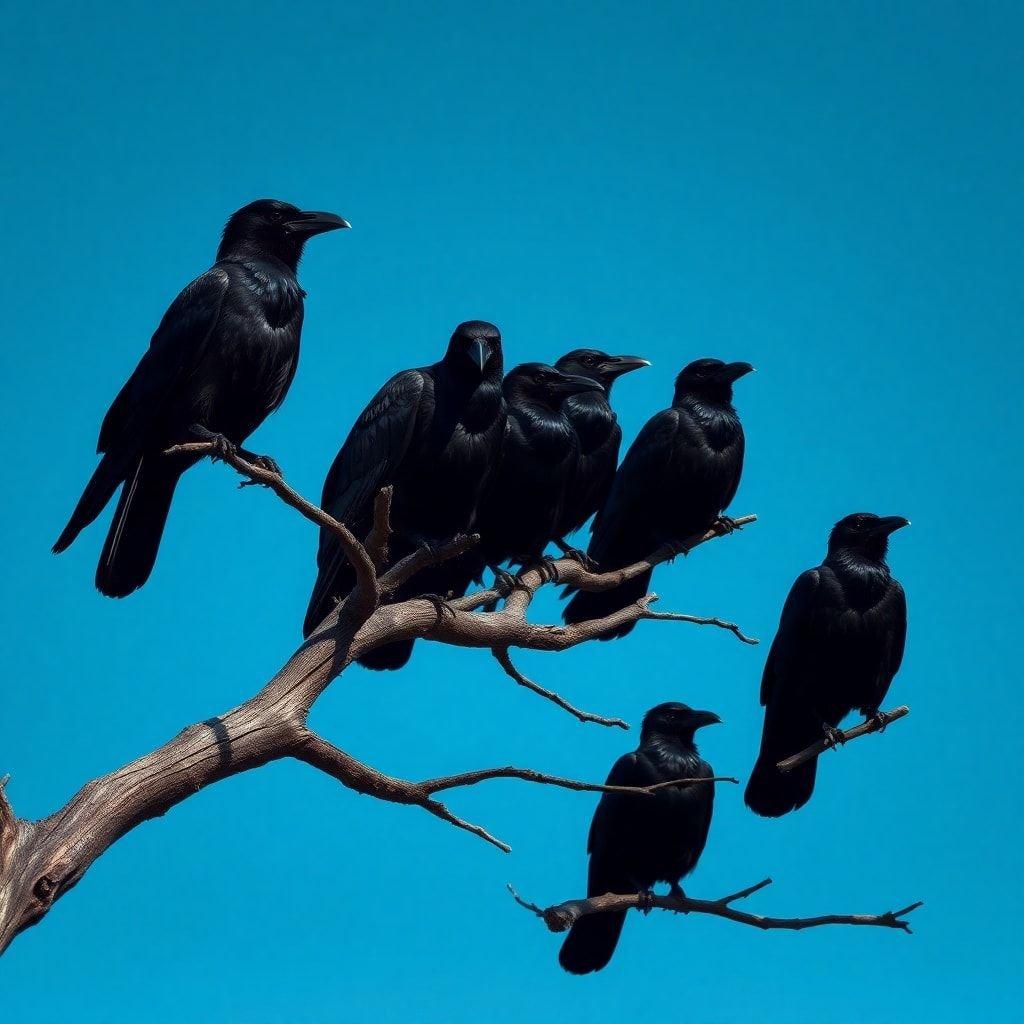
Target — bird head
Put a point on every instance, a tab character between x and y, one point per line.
710	378
865	533
679	721
599	366
475	347
270	227
540	384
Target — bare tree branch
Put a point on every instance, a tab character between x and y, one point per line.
563	916
501	655
529	775
869	725
41	861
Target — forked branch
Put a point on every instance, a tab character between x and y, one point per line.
40	862
563	916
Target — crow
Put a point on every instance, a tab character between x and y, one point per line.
637	840
523	507
839	644
677	478
434	434
597	432
220	362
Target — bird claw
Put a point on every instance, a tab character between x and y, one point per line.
878	718
441	605
834	737
727	525
504	582
676	549
578	555
548	568
222	447
267	463
645	901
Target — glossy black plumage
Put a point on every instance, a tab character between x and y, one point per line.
523	507
434	434
598	433
636	841
222	359
678	476
839	644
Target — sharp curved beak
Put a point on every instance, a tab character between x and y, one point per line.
890	524
731	372
574	384
315	222
702	718
618	365
479	352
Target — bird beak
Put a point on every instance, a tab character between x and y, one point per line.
574	384
731	372
618	365
890	524
314	222
702	718
479	352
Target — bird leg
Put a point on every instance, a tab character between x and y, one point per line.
222	447
645	901
677	548
548	568
263	461
504	582
577	555
726	524
833	737
877	717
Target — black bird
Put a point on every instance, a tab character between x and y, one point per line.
523	506
220	362
597	432
434	434
839	644
677	478
636	841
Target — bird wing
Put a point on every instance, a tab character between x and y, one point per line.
174	351
794	625
632	489
369	460
631	769
374	449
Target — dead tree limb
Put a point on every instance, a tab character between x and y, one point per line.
869	725
563	916
40	861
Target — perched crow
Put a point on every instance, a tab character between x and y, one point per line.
597	432
678	476
434	434
522	509
636	840
839	644
220	362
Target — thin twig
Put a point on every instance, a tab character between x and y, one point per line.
869	725
529	775
700	620
501	655
563	916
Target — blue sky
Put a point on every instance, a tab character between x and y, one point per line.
830	191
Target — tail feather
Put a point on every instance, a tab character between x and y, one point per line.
591	942
772	793
592	939
597	604
133	540
108	476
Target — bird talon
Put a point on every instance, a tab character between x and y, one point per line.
504	582
834	738
222	447
879	720
645	901
441	605
727	525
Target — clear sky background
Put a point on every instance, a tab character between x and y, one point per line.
831	191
